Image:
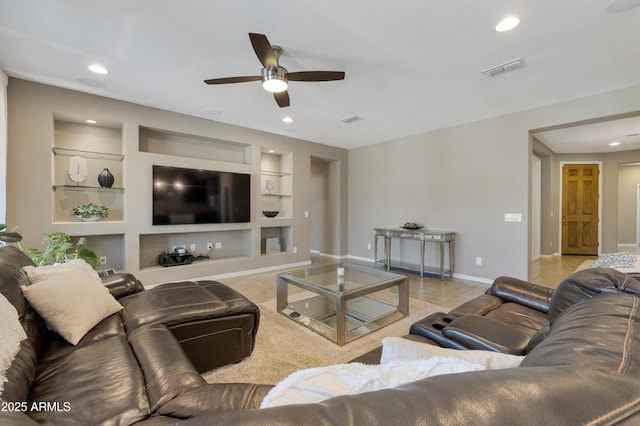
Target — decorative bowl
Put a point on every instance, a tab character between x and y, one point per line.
412	225
270	213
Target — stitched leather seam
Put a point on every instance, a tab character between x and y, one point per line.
200	336
165	375
626	350
607	417
222	302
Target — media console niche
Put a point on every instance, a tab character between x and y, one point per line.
117	238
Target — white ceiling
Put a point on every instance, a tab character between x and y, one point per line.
411	66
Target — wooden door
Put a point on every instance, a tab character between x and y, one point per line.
580	209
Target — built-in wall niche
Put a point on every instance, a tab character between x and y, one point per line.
275	239
108	247
182	145
225	245
276	185
81	152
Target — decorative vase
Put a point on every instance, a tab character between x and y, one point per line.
105	178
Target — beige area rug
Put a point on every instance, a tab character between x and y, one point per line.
283	346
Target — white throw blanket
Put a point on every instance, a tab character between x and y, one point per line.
403	361
318	384
11	335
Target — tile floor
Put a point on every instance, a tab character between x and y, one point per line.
448	293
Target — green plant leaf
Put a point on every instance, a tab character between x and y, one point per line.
88	256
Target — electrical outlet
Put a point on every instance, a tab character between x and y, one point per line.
368	246
193	247
209	246
295	250
218	245
102	260
479	261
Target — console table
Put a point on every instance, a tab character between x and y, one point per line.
423	235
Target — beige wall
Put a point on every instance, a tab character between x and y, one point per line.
628	181
466	178
32	107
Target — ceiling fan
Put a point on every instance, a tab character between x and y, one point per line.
274	77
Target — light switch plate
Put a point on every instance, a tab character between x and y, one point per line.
513	217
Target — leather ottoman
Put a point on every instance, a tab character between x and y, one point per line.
214	324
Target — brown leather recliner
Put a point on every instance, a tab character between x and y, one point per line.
119	374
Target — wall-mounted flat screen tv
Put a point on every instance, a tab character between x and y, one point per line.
188	196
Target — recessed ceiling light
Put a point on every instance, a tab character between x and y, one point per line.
507	24
98	69
271	151
616	143
91	121
287	120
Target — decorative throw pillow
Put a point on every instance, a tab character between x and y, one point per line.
398	348
11	334
70	297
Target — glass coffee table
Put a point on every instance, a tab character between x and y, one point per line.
342	302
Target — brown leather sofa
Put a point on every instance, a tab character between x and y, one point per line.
131	367
581	367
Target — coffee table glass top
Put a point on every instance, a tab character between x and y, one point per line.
355	277
341	302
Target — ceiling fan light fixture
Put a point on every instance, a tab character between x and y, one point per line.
507	24
274	80
98	69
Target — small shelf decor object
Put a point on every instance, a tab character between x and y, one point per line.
77	169
105	178
90	212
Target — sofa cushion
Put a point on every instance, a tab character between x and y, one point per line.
599	333
585	284
70	297
102	384
12	277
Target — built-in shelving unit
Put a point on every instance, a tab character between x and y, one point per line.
214	246
276	184
100	146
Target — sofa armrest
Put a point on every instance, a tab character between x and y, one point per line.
215	398
167	370
122	284
482	333
522	292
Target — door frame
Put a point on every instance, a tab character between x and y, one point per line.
599	163
536	208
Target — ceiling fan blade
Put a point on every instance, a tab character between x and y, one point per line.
282	98
316	76
263	50
227	80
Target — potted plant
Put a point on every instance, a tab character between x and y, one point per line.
90	212
60	249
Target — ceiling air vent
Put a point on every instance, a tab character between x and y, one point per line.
350	119
507	66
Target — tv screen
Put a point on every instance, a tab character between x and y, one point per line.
187	196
